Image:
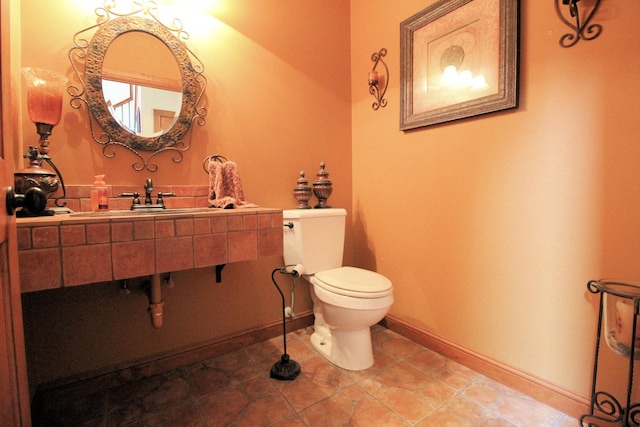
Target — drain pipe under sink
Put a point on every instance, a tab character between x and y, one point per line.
155	301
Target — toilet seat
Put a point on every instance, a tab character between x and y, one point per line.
354	282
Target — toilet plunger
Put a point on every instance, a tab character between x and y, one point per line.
286	368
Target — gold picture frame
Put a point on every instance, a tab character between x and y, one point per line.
458	59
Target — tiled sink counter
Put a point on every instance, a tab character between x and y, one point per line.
66	250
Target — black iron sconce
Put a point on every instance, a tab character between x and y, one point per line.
579	23
375	79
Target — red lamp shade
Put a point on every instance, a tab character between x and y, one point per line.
44	95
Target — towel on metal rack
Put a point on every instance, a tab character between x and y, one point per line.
225	188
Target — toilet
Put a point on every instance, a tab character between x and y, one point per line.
347	301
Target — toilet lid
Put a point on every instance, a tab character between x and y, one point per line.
351	281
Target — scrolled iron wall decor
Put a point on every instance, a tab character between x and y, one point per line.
579	22
374	79
87	58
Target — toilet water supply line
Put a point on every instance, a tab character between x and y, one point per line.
288	311
295	271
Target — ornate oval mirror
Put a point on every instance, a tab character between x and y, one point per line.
139	84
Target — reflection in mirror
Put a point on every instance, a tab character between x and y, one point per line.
139	82
142	110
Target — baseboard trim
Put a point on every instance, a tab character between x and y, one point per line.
555	396
116	375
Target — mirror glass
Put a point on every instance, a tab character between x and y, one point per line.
141	84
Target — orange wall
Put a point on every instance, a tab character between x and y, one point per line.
491	227
278	100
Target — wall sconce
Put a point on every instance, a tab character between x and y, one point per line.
44	104
581	30
375	79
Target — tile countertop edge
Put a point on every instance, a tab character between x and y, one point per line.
69	218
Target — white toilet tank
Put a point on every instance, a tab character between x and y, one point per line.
316	239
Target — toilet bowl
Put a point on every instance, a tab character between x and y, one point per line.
347	301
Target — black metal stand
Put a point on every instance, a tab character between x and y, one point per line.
605	408
286	368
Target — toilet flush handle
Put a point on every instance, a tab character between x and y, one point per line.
288	224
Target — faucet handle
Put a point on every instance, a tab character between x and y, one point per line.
136	197
160	200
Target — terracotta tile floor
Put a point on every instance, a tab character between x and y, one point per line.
408	385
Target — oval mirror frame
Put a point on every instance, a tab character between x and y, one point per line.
91	55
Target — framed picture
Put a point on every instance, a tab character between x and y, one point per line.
458	59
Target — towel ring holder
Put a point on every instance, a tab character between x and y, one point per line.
214	157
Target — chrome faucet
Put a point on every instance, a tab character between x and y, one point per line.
148	190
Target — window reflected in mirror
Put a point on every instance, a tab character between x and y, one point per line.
142	110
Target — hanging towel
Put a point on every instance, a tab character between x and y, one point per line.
225	188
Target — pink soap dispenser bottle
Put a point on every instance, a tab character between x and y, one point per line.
99	195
